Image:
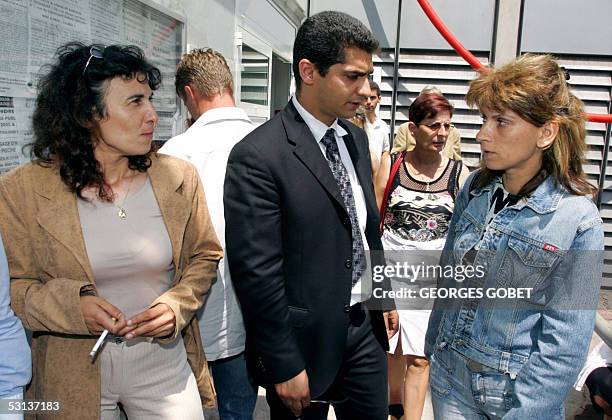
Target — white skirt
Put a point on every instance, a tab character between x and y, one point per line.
412	322
412	329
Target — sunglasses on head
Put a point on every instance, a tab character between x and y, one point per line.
96	51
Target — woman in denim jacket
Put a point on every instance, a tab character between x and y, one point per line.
512	341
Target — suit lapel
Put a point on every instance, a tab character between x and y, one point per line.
308	152
59	216
175	208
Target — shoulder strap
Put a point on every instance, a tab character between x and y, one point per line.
394	168
474	183
453	179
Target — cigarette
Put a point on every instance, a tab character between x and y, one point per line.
96	347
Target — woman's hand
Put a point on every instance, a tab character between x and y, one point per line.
100	315
158	322
391	322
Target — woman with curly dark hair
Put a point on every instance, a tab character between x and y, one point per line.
104	234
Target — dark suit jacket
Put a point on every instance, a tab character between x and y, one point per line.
288	238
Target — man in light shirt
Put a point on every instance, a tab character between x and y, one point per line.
375	127
204	83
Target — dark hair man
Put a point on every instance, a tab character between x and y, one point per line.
204	83
301	214
377	129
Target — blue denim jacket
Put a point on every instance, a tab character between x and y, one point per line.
552	243
15	360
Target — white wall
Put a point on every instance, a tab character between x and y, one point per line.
209	23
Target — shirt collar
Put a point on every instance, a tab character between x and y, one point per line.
223	113
376	124
317	128
544	199
546	196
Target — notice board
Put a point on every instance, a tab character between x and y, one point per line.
32	30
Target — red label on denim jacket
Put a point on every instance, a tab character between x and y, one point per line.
549	247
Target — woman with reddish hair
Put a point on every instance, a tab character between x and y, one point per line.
421	186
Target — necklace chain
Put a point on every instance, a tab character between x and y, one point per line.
419	175
121	212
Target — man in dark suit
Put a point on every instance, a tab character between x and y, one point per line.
301	217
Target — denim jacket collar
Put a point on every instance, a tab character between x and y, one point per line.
544	199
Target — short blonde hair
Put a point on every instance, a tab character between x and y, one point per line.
206	71
535	87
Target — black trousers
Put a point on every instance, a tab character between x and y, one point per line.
599	383
360	388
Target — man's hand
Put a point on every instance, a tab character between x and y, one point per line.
158	321
391	322
100	315
295	393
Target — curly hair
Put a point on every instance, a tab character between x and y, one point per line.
536	88
71	100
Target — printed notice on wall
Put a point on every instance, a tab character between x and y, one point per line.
107	22
13	47
15	131
32	30
53	23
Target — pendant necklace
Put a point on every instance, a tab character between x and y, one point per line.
120	207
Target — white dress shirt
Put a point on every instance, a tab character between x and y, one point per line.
318	130
207	145
378	136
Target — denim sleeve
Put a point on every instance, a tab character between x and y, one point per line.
15	362
436	315
564	331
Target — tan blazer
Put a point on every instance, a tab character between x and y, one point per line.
49	265
405	141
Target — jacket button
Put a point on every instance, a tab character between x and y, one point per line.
347	308
348	263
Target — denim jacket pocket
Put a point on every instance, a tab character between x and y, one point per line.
496	391
526	264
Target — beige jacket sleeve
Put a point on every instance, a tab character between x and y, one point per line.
42	302
452	148
200	255
403	139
